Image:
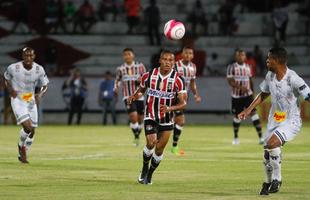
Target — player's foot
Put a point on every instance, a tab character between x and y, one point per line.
175	150
235	141
265	189
261	141
148	179
136	142
142	175
275	186
22	157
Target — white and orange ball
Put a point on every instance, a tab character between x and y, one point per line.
174	30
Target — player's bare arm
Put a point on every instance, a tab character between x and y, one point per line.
182	96
12	92
258	100
234	84
194	90
251	84
138	94
39	95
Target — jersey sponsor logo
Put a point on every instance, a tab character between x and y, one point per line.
26	96
130	77
279	116
160	94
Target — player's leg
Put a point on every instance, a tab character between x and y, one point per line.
236	109
179	122
140	111
79	109
151	140
158	154
133	118
258	126
33	113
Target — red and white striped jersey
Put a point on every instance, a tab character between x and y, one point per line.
188	72
161	90
129	76
241	74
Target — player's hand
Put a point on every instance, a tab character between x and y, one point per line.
38	98
130	100
13	94
197	98
244	114
244	90
164	109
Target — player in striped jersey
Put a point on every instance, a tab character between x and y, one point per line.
240	79
187	69
128	75
162	86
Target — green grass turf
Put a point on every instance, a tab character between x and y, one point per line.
95	162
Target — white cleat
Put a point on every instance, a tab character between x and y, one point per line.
235	141
261	141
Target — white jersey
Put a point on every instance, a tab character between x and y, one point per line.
24	81
284	98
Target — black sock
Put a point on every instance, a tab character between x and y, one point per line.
136	132
154	165
146	161
236	129
258	127
176	136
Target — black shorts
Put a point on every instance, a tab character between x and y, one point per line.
151	127
135	106
239	104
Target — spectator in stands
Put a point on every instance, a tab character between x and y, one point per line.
107	6
280	20
78	88
304	11
69	10
85	17
51	15
21	15
132	8
250	60
152	20
259	58
155	59
107	98
61	17
198	16
226	20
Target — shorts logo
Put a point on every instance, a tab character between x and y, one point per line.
148	127
279	116
160	94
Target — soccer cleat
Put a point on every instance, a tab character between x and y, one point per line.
235	141
136	142
275	186
148	179
261	141
22	157
175	150
265	189
143	175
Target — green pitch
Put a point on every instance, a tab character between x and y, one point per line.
95	162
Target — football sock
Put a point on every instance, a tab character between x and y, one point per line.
275	161
28	143
147	155
257	124
135	129
23	137
155	162
236	125
176	134
267	167
140	128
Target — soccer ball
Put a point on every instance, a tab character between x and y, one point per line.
174	30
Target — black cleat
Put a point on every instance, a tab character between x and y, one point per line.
265	189
142	175
148	179
275	186
22	157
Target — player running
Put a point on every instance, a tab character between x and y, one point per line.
239	78
284	122
187	69
163	86
21	79
129	75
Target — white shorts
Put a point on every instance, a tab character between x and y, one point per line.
285	132
24	111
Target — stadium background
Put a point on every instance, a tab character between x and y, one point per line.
100	49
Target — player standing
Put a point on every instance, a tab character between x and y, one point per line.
163	86
187	69
129	75
240	80
21	80
284	122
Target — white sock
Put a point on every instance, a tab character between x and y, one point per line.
23	137
134	125
275	161
148	152
28	143
267	167
158	158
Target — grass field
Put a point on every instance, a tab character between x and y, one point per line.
95	162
